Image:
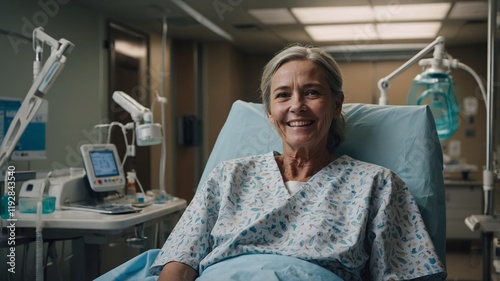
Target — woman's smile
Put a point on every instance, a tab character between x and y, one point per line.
299	123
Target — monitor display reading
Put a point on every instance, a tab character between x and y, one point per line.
103	163
103	167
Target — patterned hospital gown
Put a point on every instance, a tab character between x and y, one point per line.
356	219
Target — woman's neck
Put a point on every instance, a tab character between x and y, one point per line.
301	167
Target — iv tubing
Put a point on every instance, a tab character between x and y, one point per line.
478	80
488	172
38	232
163	156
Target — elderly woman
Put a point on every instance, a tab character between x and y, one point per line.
325	215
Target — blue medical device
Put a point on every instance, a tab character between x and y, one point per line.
436	91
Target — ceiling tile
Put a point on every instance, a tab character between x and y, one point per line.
408	30
291	34
395	12
273	16
469	10
342	32
318	15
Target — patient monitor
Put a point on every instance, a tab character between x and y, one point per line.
103	172
103	166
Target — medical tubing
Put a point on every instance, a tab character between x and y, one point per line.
39	256
126	152
139	183
163	156
38	232
109	131
99	126
478	80
110	125
25	268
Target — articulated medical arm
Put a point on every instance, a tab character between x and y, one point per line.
41	85
437	45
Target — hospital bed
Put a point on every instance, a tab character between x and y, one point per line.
401	138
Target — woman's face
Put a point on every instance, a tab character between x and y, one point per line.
302	105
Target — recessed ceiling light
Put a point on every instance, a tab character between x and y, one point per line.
342	32
408	30
273	16
366	32
349	14
469	10
396	12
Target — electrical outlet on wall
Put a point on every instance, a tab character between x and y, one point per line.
454	149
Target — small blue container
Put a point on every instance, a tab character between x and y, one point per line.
28	204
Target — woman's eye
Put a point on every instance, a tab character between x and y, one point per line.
312	93
281	95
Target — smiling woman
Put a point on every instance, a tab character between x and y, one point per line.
353	219
302	110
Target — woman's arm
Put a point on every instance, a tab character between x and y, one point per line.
176	271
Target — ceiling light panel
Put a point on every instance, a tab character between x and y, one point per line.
273	16
469	10
321	15
398	12
416	30
342	32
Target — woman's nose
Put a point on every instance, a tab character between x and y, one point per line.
297	104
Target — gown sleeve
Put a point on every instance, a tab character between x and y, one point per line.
190	240
401	248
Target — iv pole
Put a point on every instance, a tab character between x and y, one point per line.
43	80
41	85
488	173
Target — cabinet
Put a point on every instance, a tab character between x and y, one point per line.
463	198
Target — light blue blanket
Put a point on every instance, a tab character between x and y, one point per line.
254	267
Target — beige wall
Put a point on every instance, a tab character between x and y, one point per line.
223	85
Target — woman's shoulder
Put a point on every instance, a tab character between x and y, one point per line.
346	160
243	167
356	166
250	159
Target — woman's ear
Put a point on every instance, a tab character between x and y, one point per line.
270	118
338	105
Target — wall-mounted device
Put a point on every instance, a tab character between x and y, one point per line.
189	130
103	166
147	133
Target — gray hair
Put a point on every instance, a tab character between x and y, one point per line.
336	133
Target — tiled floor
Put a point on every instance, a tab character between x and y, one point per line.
464	260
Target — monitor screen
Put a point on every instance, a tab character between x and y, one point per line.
103	167
103	163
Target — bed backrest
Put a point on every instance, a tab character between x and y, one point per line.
401	138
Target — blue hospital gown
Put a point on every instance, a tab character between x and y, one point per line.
353	218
